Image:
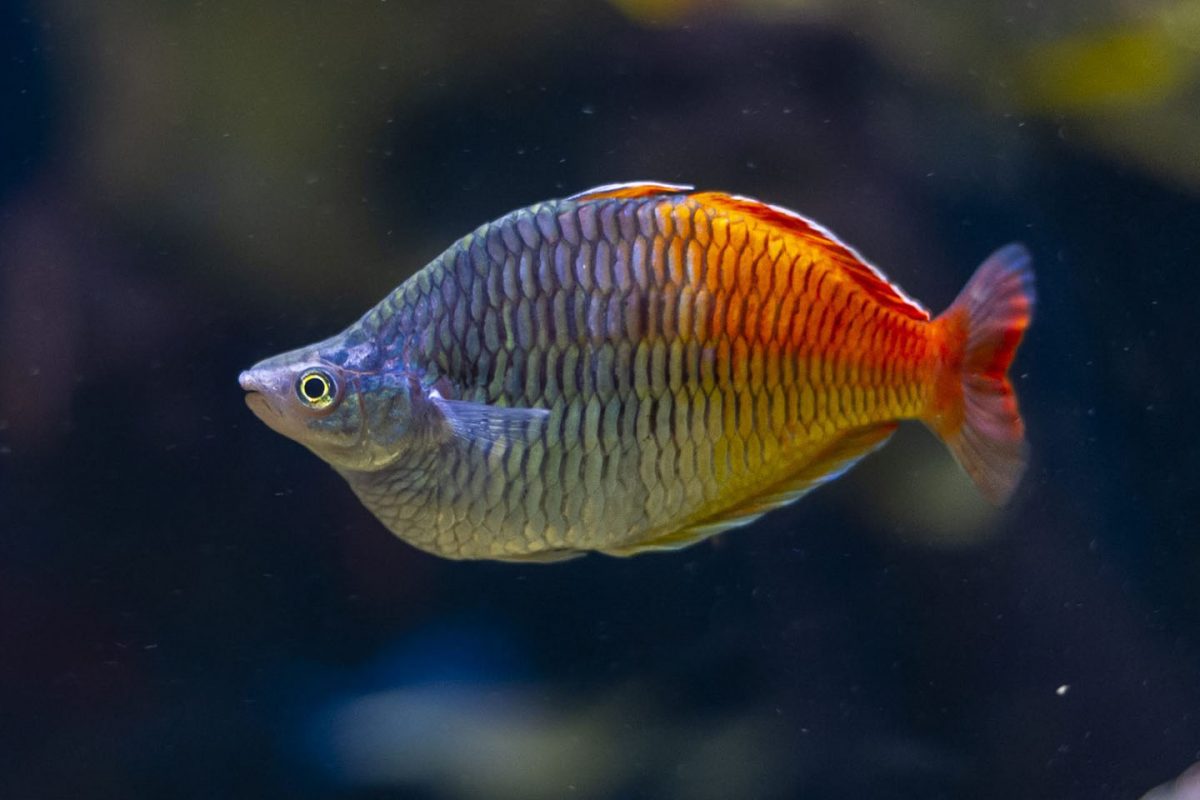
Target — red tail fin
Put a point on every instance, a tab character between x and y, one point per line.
975	410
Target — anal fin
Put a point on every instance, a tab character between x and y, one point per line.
833	461
543	557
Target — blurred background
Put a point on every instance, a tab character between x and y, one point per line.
193	607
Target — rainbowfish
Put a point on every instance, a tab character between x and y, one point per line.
639	367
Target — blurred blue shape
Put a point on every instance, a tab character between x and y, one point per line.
454	652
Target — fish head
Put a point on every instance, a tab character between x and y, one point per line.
334	399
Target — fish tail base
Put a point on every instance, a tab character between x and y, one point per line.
975	408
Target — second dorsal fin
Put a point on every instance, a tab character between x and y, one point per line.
630	190
852	264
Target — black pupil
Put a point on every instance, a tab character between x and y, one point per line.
313	387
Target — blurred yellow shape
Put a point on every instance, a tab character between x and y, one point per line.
925	497
1106	70
1182	23
654	12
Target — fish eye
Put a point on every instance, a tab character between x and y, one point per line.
315	388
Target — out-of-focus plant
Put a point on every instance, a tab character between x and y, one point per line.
258	127
1121	78
255	128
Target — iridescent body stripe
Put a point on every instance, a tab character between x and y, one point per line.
704	358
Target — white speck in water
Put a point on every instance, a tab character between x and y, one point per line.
1062	690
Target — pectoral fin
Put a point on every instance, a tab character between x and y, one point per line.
492	427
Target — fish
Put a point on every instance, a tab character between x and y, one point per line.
638	367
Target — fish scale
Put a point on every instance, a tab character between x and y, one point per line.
641	366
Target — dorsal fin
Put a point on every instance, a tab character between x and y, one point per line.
853	265
840	455
630	190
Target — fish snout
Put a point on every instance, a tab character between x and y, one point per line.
262	388
264	380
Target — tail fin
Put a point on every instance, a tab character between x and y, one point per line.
975	410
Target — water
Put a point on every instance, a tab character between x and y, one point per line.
195	607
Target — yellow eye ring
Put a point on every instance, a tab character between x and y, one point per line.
315	389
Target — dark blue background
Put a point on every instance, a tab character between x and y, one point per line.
188	601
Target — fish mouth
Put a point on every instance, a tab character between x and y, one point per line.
262	407
258	389
258	399
259	404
